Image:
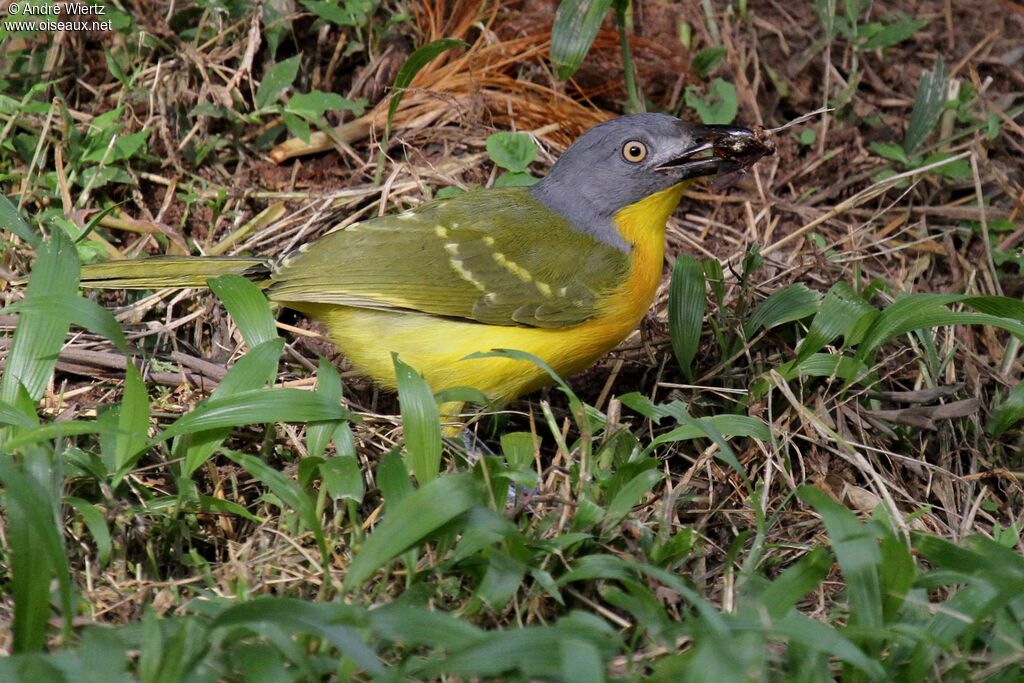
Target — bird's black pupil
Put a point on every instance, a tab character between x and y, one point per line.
634	151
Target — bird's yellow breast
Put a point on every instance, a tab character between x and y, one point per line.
437	346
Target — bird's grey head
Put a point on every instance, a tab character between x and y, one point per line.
622	161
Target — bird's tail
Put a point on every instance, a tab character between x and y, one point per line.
172	271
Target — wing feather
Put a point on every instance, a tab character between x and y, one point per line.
496	257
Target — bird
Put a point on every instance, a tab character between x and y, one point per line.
564	269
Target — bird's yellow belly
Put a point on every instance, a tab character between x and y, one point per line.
437	347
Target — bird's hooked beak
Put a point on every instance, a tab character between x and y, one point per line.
716	150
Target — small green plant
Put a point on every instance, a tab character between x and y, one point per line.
513	152
929	103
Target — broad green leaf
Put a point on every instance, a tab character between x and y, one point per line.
516	179
816	365
393	479
519	449
55	430
248	307
922	311
255	407
421	422
890	151
718	106
726	425
501	580
411	521
573	32
511	151
795	302
343	478
39	337
816	636
793	584
686	302
581	662
420	57
315	104
277	79
76	309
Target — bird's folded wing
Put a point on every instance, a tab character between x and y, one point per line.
496	257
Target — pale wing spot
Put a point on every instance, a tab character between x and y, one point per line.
543	287
562	291
488	240
441	231
456	263
406	215
512	267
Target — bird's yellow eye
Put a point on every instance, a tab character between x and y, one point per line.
634	151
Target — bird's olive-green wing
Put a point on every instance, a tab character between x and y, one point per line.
497	257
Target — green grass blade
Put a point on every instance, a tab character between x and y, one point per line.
726	425
420	57
97	525
856	549
416	626
12	221
10	415
248	307
806	574
133	419
421	422
328	385
923	311
36	556
630	495
39	337
410	521
686	303
252	372
1008	413
336	624
841	311
289	491
255	407
576	25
